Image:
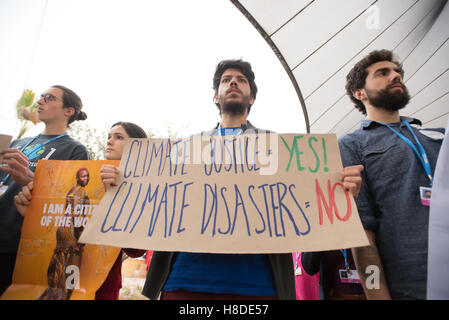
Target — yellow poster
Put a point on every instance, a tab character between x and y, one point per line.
51	264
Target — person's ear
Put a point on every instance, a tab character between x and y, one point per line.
251	101
359	94
215	98
68	112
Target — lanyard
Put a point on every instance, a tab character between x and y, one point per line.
28	152
345	255
421	154
298	255
222	131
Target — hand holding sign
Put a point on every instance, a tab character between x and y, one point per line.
15	163
22	200
109	176
352	181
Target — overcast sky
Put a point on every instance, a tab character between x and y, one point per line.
148	62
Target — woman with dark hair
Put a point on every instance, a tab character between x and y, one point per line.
114	149
119	131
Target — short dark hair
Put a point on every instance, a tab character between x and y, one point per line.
244	67
71	100
357	76
132	129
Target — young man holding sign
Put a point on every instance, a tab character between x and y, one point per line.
58	107
197	276
399	161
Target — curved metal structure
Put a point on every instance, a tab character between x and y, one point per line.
318	42
278	55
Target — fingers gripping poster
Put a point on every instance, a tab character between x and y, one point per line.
51	263
234	194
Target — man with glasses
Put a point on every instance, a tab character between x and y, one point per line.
58	107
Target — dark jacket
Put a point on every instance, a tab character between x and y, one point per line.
281	264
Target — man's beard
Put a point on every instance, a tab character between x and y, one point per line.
391	101
234	108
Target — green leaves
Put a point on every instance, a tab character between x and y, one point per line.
26	112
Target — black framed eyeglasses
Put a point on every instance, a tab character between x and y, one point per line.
48	97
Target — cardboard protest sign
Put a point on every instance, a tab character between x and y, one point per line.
5	140
51	264
234	194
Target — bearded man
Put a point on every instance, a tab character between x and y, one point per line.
399	160
198	276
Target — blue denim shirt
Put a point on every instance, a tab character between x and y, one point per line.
389	201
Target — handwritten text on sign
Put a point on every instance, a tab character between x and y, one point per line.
233	194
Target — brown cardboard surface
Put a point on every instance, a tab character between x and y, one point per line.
233	194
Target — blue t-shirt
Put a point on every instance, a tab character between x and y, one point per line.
241	274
